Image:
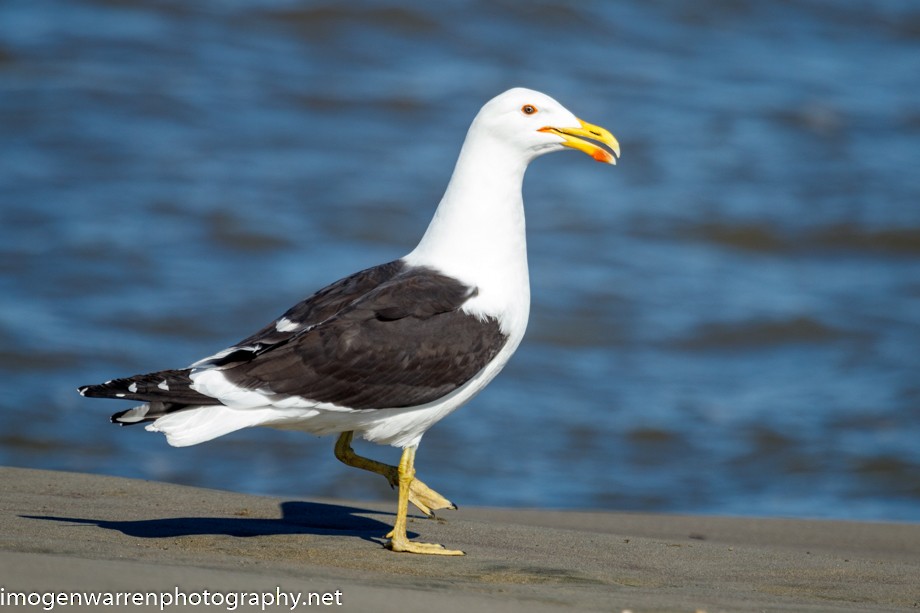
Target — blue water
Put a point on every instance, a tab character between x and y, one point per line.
727	322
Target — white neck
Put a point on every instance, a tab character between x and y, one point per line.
477	234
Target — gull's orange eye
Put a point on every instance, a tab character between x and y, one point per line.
528	109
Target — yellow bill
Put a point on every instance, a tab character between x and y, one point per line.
581	138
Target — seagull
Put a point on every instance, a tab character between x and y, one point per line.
389	351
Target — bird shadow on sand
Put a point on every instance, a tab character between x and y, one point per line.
296	518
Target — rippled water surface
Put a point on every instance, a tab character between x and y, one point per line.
726	322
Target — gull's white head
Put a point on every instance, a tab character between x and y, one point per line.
534	124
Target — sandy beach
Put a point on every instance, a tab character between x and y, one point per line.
78	532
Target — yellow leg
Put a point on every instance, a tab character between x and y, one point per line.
398	539
426	499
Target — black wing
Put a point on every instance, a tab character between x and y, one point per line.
388	336
405	343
